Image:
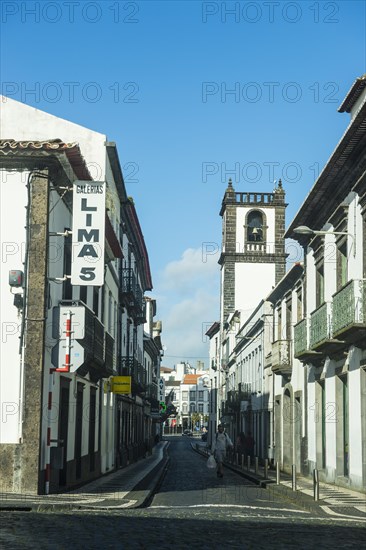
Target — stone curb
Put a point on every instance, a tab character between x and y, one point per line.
157	479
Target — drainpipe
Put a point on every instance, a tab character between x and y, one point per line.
100	384
306	368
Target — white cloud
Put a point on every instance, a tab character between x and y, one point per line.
196	266
188	303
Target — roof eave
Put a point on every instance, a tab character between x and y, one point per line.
320	201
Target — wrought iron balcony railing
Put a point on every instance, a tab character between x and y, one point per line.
109	354
128	282
349	307
152	391
320	325
301	338
132	295
235	397
126	365
129	366
138	297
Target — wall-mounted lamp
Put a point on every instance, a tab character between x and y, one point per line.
305	230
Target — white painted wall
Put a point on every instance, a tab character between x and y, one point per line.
330	267
313	417
331	417
252	283
38	125
310	282
355	431
357	244
13	238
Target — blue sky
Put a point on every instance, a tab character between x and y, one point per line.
192	93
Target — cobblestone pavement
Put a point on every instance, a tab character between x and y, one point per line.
333	500
191	509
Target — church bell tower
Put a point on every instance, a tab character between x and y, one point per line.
253	258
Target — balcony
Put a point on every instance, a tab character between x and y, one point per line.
138	298
109	354
152	392
235	397
127	290
131	295
281	357
321	338
233	401
113	248
255	198
129	366
93	341
349	312
226	410
302	349
245	391
268	360
98	346
255	247
139	308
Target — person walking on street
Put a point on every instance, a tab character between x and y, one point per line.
220	444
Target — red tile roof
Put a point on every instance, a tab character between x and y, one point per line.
191	378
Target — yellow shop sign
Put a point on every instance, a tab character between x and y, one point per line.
121	384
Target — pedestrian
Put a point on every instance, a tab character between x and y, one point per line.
220	444
240	444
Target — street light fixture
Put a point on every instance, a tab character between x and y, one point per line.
305	230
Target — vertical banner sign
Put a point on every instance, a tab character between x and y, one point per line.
161	389
88	227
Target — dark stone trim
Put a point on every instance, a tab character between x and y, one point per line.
30	449
252	257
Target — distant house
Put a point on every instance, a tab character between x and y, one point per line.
189	393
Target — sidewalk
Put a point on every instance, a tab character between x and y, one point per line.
333	500
129	487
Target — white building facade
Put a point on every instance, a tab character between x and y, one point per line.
330	341
288	422
63	341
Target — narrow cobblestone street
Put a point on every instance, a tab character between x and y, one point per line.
192	508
